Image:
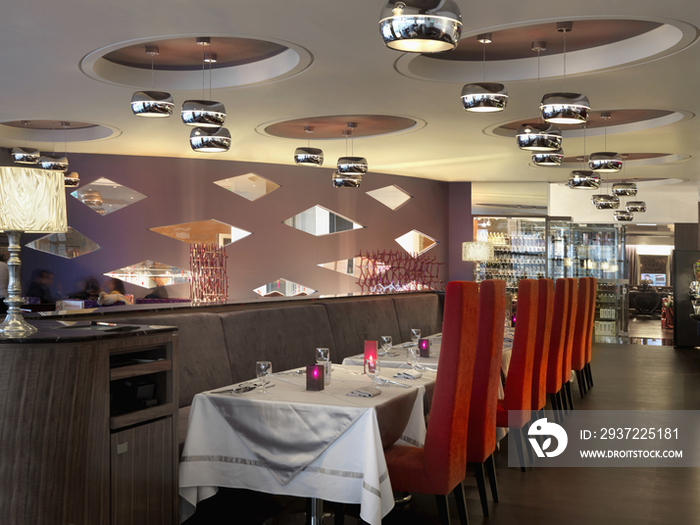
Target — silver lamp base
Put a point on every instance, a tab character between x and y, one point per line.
14	326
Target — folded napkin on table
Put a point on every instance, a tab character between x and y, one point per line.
367	391
409	374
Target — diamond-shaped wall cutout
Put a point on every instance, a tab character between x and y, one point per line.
149	274
391	196
416	243
250	186
321	221
68	245
352	266
210	232
283	288
105	196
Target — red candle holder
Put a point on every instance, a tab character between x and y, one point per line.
314	377
370	353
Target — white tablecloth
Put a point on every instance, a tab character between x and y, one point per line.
351	469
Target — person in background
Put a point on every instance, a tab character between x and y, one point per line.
40	287
159	292
115	286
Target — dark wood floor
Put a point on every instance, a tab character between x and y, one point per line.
627	377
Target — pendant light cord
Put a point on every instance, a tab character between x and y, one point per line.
210	79
538	80
203	70
151	72
483	45
564	61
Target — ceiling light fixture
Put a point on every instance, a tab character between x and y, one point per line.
484	97
204	113
210	140
583	180
547	159
636	206
415	29
308	156
539	137
54	162
606	202
623	216
624	189
350	169
25	155
564	107
157	104
605	161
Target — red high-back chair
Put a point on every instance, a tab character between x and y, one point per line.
518	389
438	468
591	321
578	355
568	347
481	438
545	305
557	343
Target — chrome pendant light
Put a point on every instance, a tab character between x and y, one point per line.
547	159
583	180
606	202
539	137
484	97
624	189
204	113
564	107
623	216
54	162
605	161
152	104
349	169
308	156
636	206
71	180
412	29
25	155
210	140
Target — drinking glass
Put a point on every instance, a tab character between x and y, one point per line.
386	344
263	369
372	369
412	355
323	357
415	335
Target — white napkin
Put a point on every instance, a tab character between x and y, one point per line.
409	374
367	391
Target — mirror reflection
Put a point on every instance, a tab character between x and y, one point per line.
353	266
416	243
250	186
104	196
320	221
151	274
210	232
68	245
392	196
283	288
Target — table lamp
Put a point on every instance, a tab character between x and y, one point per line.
31	201
477	251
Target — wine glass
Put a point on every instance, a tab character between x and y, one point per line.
386	344
372	369
415	335
263	369
412	355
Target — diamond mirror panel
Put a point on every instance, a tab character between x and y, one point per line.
416	243
250	186
392	197
283	288
68	245
104	196
320	221
149	274
352	266
209	232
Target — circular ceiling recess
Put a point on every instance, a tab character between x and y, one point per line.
56	131
594	45
240	61
333	126
631	159
620	121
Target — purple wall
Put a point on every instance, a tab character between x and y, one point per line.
461	230
182	190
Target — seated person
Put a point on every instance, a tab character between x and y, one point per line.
40	287
91	291
115	294
159	292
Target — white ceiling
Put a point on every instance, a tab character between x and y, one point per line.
352	72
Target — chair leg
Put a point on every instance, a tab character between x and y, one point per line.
581	385
589	374
443	509
518	438
569	396
555	407
481	485
491	470
462	504
526	431
339	513
561	401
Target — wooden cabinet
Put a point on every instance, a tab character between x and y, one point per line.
62	459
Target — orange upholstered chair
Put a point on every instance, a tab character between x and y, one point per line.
589	341
578	354
518	388
545	305
568	347
481	438
557	342
439	467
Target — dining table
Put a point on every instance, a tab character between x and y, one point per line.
324	445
